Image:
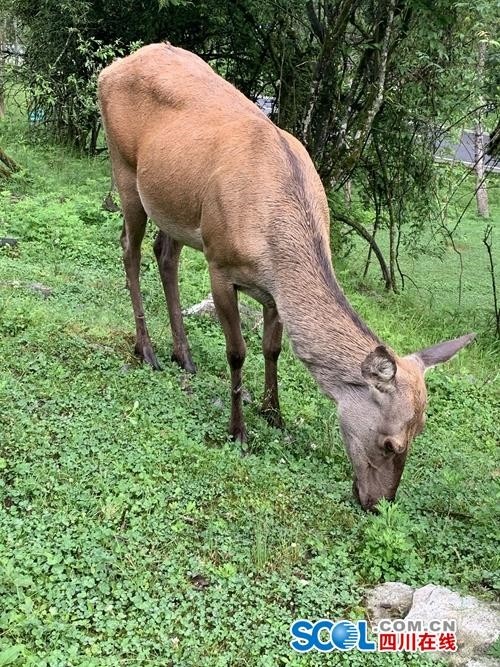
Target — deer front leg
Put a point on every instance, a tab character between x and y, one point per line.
226	304
134	227
271	348
167	252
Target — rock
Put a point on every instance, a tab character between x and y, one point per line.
218	403
34	287
8	241
185	383
478	623
205	307
250	316
483	662
390	600
246	396
199	581
43	290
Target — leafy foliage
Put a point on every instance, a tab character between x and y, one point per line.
371	88
389	552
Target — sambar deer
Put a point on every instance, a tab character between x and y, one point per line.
213	172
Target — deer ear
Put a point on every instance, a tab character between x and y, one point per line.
437	354
379	368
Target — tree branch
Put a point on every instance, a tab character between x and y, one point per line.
364	233
487	240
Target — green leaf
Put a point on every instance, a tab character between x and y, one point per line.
9	655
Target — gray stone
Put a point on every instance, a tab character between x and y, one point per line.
483	662
246	396
218	403
205	307
43	290
478	623
251	317
390	600
8	241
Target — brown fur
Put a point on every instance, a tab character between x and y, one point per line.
192	153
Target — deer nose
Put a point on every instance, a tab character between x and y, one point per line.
367	500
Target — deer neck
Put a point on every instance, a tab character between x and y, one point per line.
325	331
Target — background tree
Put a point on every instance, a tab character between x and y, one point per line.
371	87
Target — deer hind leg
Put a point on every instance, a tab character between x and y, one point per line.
226	304
134	227
167	253
271	347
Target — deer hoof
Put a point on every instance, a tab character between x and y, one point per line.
273	417
185	362
238	434
147	355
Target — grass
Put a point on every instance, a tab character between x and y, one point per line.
131	531
451	280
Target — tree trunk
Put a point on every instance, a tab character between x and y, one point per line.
376	225
393	222
348	193
3	40
488	242
94	134
8	166
362	231
392	250
481	191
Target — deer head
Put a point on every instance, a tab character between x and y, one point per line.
380	418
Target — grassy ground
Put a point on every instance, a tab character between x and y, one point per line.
451	280
131	531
